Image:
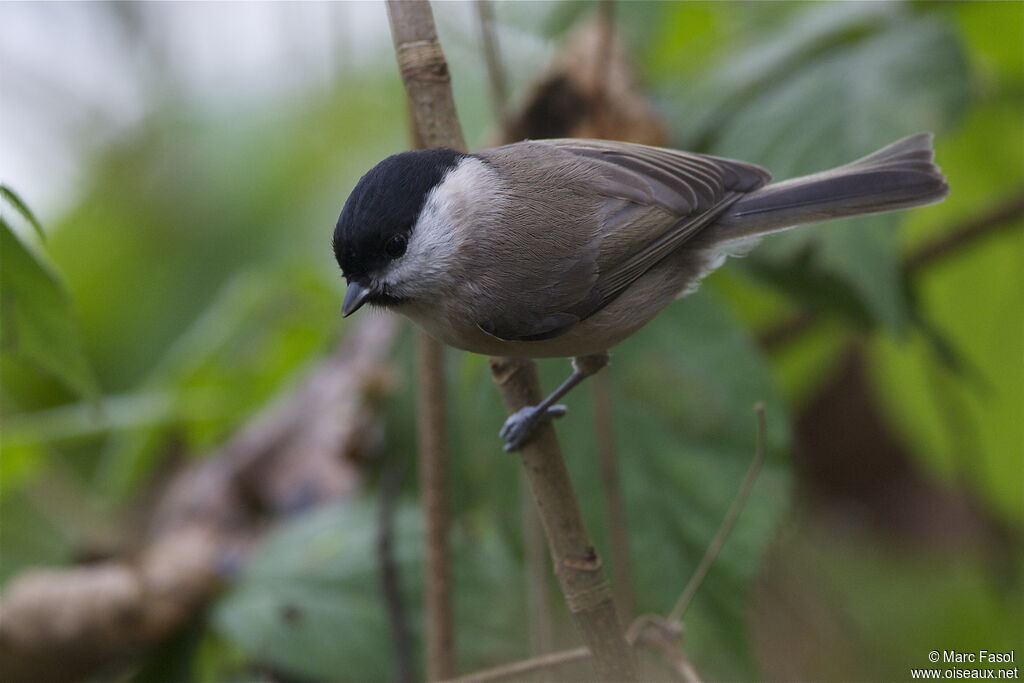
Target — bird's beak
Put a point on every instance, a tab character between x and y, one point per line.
355	296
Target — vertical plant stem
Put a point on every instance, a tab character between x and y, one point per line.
611	488
577	566
538	602
425	74
492	57
606	19
433	468
397	613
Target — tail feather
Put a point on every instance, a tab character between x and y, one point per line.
898	176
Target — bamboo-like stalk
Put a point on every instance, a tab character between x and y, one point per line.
578	568
435	124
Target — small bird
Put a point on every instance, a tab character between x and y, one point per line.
564	248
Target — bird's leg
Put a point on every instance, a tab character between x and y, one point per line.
519	427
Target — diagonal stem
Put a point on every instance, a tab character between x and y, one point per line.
577	566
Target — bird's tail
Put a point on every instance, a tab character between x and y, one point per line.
899	176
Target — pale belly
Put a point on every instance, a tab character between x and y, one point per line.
598	333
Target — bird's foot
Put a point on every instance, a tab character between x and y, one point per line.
519	427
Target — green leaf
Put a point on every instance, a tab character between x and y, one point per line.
967	428
894	603
309	601
16	201
37	323
30	539
257	331
836	104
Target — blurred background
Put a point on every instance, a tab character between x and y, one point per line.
177	299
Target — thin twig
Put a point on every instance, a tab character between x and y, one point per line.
603	65
1001	216
492	57
425	74
663	635
516	670
646	630
611	488
390	584
731	515
577	566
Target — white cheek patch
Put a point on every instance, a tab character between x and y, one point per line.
430	256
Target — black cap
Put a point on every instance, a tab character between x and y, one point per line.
376	221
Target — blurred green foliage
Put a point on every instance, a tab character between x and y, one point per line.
38	324
196	257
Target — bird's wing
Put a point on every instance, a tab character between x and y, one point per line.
650	201
683	183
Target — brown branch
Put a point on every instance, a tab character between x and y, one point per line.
425	73
591	74
577	566
62	624
432	107
1002	216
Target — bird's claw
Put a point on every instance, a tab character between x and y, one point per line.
519	427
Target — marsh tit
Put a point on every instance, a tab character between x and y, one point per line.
567	247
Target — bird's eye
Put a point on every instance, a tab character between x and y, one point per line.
395	246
